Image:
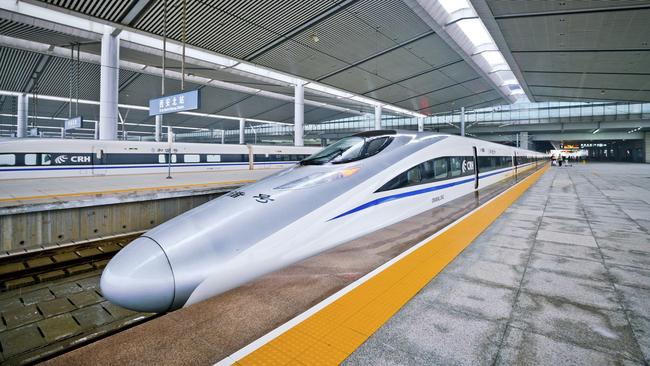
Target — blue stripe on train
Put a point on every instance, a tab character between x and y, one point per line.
137	166
381	200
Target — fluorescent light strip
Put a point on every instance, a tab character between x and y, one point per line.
459	20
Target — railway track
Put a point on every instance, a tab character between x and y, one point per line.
51	303
29	268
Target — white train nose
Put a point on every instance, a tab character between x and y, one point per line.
139	278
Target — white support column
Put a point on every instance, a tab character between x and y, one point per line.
299	115
23	105
378	117
523	140
96	135
462	121
223	137
109	84
62	132
647	147
242	127
420	124
159	121
170	134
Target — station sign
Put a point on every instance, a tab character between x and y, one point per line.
73	123
175	103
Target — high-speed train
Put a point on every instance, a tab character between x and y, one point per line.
44	158
353	187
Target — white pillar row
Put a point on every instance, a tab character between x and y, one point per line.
21	120
158	133
242	130
299	115
420	124
523	140
109	84
462	121
378	117
647	147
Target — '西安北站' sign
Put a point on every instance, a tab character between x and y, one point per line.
174	103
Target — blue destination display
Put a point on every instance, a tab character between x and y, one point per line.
73	123
174	103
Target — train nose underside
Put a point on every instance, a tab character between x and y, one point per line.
139	277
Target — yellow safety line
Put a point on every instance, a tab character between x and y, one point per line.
330	335
231	182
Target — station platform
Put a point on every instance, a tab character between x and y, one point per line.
30	195
560	276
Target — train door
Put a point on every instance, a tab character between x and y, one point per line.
99	161
475	168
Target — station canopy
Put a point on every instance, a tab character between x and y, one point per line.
346	51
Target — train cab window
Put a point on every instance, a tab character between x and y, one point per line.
440	168
7	159
191	158
455	166
213	158
162	158
375	146
46	159
30	159
349	149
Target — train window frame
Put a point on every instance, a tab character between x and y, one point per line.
31	159
452	172
174	159
442	175
162	158
7	159
46	159
191	158
213	158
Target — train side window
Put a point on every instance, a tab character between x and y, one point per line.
456	164
46	159
413	176
192	158
7	159
30	159
214	158
162	158
427	170
174	159
395	183
440	168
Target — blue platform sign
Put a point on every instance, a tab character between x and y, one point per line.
73	123
174	103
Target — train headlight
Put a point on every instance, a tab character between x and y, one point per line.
319	178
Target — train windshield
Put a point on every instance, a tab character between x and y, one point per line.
348	149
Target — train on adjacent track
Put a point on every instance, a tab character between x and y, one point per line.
353	187
46	158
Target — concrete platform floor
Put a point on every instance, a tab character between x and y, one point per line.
563	277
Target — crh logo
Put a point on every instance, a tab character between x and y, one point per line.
61	159
80	159
467	165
